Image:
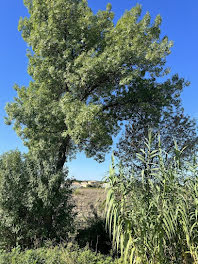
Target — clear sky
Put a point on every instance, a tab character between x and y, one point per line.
180	24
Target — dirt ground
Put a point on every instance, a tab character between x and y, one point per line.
87	200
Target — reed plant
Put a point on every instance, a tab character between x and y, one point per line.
152	214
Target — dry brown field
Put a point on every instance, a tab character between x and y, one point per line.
87	201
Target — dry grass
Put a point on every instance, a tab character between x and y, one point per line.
87	200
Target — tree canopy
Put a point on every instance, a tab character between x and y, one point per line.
173	127
88	75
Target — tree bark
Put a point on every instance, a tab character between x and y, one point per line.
62	153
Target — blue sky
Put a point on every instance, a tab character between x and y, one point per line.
180	24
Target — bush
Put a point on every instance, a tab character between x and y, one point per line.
35	202
56	255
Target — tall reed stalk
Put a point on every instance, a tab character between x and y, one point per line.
153	214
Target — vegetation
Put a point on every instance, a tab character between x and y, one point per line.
95	235
56	255
172	126
35	202
88	75
152	212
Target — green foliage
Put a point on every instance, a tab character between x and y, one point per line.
152	213
35	202
88	75
56	255
171	125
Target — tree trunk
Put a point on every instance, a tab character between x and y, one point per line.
62	153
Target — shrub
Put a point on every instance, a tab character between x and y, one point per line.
34	202
55	255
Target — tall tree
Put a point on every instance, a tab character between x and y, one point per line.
88	75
